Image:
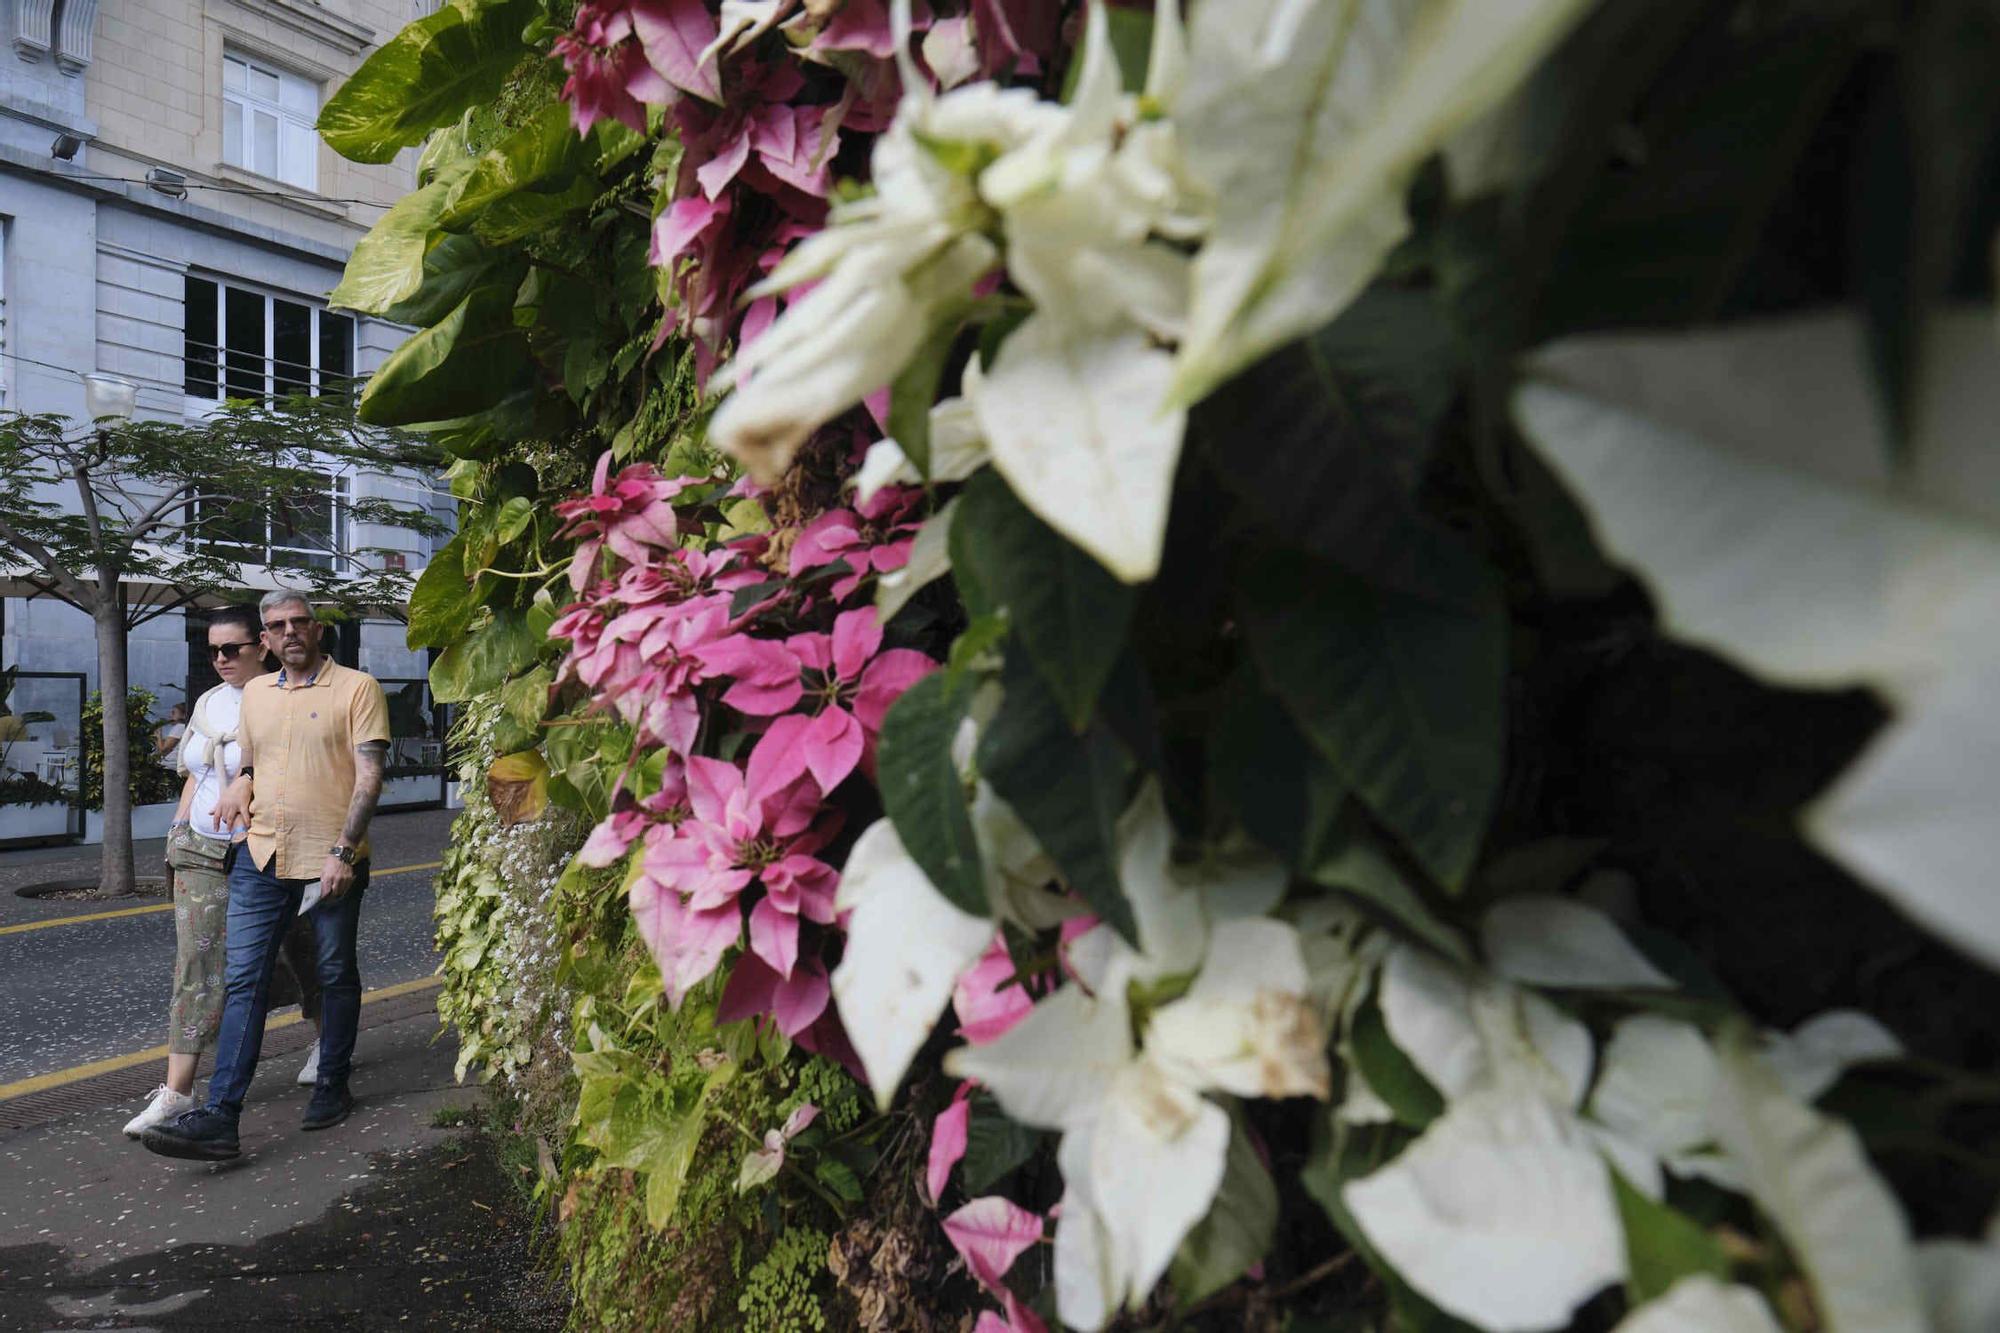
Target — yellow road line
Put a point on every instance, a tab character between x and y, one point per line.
43	1082
79	919
374	875
86	916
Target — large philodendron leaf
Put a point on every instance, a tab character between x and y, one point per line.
465	363
1306	119
521	183
484	659
1809	1176
1744	474
1401	694
425	76
387	267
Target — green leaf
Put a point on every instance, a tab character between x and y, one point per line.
540	156
1238	1229
388	266
1343	421
1403	696
1131	34
462	364
484	659
1924	187
1069	789
1662	1245
513	518
1390	1073
1065	609
916	385
442	602
1285	792
1356	862
974	642
1668	242
453	264
922	793
839	1177
425	76
994	1145
526	697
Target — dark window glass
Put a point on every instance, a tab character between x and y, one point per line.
243	319
198	348
233	531
336	350
291	347
307	529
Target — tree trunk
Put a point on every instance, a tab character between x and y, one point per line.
116	873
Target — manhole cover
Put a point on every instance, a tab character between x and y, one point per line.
90	891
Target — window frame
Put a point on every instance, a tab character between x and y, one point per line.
267	549
316	378
243	104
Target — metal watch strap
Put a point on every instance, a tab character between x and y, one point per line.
343	853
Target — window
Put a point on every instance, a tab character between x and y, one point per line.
306	531
267	122
241	343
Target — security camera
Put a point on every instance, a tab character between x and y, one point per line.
170	183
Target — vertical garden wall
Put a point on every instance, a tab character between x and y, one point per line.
1253	665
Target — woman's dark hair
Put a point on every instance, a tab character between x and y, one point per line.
243	617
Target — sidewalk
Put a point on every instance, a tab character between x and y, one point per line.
383	1222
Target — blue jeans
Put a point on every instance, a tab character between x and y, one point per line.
261	909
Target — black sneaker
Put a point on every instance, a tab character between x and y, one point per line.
203	1134
329	1106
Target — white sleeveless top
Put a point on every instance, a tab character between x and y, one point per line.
214	717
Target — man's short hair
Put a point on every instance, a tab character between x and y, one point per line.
243	617
271	601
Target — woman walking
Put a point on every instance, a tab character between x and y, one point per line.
198	851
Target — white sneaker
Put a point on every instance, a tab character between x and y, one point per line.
164	1106
310	1074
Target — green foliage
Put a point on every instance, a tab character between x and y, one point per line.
921	787
1068	788
778	1294
152	781
1069	614
425	75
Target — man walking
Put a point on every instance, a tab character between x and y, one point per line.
315	738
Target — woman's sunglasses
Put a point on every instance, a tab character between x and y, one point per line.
228	650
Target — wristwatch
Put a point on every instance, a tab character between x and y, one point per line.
342	852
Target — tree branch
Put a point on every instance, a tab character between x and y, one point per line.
74	590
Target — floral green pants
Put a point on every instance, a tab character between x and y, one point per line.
201	911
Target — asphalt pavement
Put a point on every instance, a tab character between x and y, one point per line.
76	990
393	1219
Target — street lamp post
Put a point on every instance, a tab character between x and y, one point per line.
109	400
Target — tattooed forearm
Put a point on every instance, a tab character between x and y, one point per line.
369	759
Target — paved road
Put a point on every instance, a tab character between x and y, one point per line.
88	990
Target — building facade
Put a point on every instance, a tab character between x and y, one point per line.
169	215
